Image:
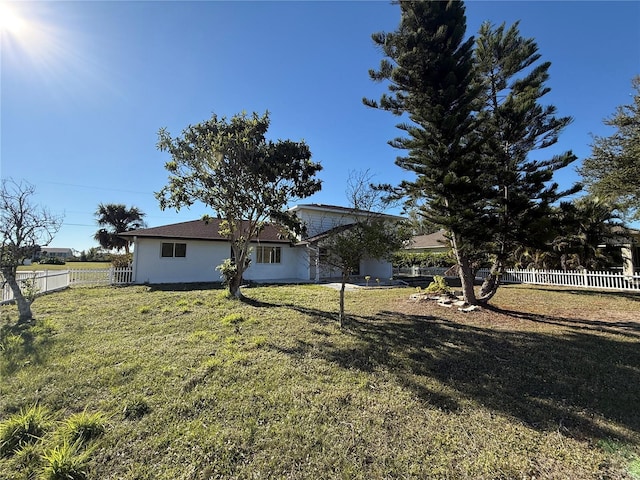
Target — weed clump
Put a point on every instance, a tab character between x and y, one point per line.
23	428
65	462
136	408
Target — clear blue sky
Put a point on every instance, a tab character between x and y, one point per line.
85	86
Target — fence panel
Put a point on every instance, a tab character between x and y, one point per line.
580	279
51	280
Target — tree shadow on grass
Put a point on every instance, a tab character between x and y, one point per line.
23	343
582	382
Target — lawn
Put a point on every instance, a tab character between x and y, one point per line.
194	385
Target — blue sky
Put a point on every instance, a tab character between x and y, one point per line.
85	87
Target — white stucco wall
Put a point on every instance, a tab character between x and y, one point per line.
198	265
203	257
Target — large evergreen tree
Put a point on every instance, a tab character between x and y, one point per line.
475	118
516	128
429	67
613	169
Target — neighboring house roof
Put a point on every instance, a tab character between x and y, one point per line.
345	210
428	242
56	250
201	230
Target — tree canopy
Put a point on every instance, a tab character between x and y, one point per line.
474	119
613	169
246	179
117	219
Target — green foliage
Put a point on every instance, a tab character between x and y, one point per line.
24	343
613	169
23	428
116	218
51	261
65	462
403	258
83	427
121	261
474	118
230	166
439	285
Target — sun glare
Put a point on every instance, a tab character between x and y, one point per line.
10	21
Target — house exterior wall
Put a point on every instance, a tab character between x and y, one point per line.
320	221
198	265
294	264
202	257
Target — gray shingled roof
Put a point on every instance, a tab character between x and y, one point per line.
201	230
433	240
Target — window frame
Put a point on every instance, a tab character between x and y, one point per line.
272	253
178	250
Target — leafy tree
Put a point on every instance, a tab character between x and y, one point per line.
474	119
246	179
117	219
23	228
613	169
515	125
371	234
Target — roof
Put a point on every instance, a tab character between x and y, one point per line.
432	240
337	209
56	250
205	230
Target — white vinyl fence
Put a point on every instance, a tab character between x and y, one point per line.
51	280
580	279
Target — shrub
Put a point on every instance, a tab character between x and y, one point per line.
122	261
23	428
439	285
51	261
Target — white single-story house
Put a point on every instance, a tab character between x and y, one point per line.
189	252
51	252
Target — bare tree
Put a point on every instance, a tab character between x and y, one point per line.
24	227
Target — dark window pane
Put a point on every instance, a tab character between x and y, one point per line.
181	250
167	249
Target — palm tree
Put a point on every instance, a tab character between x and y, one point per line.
116	218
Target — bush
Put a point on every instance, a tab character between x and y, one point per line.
439	285
51	261
422	259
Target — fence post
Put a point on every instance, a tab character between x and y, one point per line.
585	277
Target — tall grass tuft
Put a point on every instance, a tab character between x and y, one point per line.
83	427
65	462
23	428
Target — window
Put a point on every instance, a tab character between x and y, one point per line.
173	250
268	254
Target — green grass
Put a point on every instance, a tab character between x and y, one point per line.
194	385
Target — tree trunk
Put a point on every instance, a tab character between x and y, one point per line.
465	272
234	286
341	316
492	281
24	305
